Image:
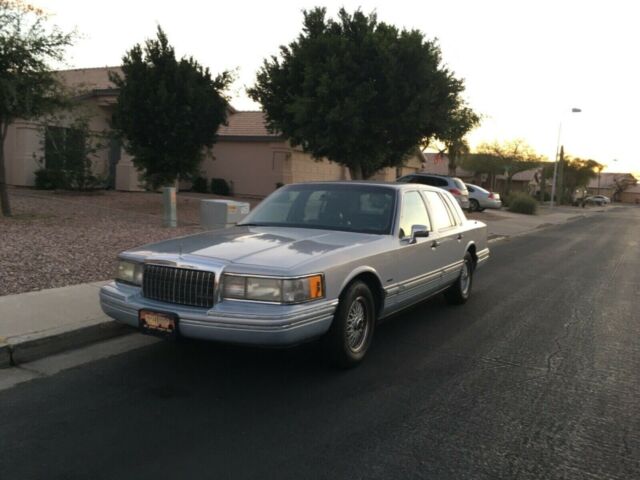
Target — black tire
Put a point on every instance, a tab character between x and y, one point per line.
474	205
460	291
348	339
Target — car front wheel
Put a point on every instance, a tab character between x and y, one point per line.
351	332
460	291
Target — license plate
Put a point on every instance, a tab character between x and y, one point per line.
158	323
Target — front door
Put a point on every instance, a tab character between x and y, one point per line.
418	268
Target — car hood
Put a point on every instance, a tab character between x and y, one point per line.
273	247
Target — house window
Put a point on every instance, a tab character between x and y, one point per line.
64	148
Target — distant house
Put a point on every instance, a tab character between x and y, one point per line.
609	183
438	164
256	161
253	160
631	195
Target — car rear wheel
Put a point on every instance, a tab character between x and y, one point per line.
474	205
460	291
351	332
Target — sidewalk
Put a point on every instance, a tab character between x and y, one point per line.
502	223
42	323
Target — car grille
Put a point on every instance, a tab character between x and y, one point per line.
178	285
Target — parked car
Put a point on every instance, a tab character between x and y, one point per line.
479	198
312	260
453	185
597	200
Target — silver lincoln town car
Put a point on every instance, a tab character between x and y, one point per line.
312	260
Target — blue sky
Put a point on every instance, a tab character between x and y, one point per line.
526	63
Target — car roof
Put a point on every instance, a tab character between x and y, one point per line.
372	183
426	174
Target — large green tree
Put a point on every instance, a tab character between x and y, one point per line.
168	110
357	91
28	87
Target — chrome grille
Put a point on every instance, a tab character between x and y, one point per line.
182	286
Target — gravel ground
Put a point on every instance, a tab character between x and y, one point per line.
59	239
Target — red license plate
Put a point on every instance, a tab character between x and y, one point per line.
158	323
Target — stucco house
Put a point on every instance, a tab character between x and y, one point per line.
608	183
253	160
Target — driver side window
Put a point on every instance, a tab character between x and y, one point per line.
413	212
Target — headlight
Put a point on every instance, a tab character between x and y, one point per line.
276	290
129	272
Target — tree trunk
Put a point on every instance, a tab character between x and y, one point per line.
356	172
4	194
452	166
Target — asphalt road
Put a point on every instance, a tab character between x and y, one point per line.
538	376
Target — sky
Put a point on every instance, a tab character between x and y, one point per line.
526	63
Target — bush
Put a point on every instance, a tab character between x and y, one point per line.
50	179
219	186
522	203
59	179
199	185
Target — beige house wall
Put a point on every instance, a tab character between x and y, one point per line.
304	168
252	168
24	145
630	197
24	149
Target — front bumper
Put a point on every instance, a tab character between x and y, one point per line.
230	321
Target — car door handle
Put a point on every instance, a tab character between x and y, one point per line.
460	236
435	244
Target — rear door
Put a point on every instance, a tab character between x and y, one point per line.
448	235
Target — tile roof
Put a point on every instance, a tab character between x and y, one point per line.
246	124
607	179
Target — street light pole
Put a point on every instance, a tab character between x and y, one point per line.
555	167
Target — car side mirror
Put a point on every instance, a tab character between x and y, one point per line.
418	231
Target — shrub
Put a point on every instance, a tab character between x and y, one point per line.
50	179
219	186
522	203
199	185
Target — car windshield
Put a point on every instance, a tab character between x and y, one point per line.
346	207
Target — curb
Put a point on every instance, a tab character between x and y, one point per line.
26	348
5	355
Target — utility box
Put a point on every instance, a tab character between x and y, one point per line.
221	213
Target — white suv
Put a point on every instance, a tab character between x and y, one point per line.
453	185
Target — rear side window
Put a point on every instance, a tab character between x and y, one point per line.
459	184
454	209
433	181
440	215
